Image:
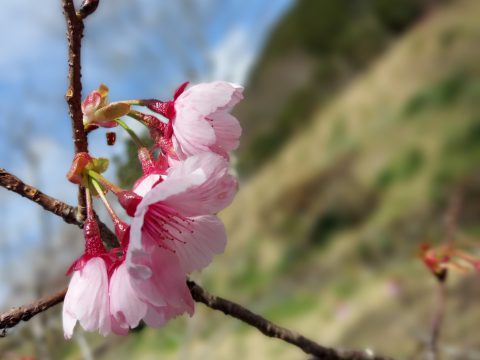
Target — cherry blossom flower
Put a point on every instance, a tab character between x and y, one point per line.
177	214
156	300
200	120
87	300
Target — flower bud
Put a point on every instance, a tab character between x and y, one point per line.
80	161
129	201
97	111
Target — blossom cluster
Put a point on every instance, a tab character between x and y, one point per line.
173	228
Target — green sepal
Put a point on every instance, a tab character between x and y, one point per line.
99	165
112	111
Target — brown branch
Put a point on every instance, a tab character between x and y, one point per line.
438	316
450	221
270	329
73	96
55	206
24	313
13	316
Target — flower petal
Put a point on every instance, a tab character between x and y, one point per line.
125	306
207	239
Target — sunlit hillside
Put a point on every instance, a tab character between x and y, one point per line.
336	218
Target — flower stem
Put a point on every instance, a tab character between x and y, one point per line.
89	204
137	115
130	132
109	208
105	183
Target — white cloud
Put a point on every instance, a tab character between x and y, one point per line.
233	57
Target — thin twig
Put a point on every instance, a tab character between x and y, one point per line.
450	221
13	316
438	316
270	329
73	95
55	206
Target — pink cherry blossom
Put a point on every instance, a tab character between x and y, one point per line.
178	214
98	112
87	300
155	300
200	120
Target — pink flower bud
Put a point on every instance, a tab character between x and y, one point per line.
129	201
98	112
80	161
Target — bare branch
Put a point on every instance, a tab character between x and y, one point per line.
73	95
270	329
13	316
55	206
450	228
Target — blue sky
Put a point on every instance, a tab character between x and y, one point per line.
139	49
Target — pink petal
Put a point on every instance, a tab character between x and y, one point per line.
69	322
155	317
193	128
87	298
117	328
125	306
206	98
167	284
192	134
158	316
227	130
145	184
212	188
207	239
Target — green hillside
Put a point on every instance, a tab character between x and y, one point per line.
312	54
332	224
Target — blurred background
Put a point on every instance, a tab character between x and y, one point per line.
361	120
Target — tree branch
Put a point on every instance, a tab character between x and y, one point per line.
73	96
55	206
450	220
270	329
13	316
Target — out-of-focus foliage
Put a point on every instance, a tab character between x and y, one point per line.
314	52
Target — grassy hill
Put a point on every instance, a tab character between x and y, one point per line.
332	224
313	53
